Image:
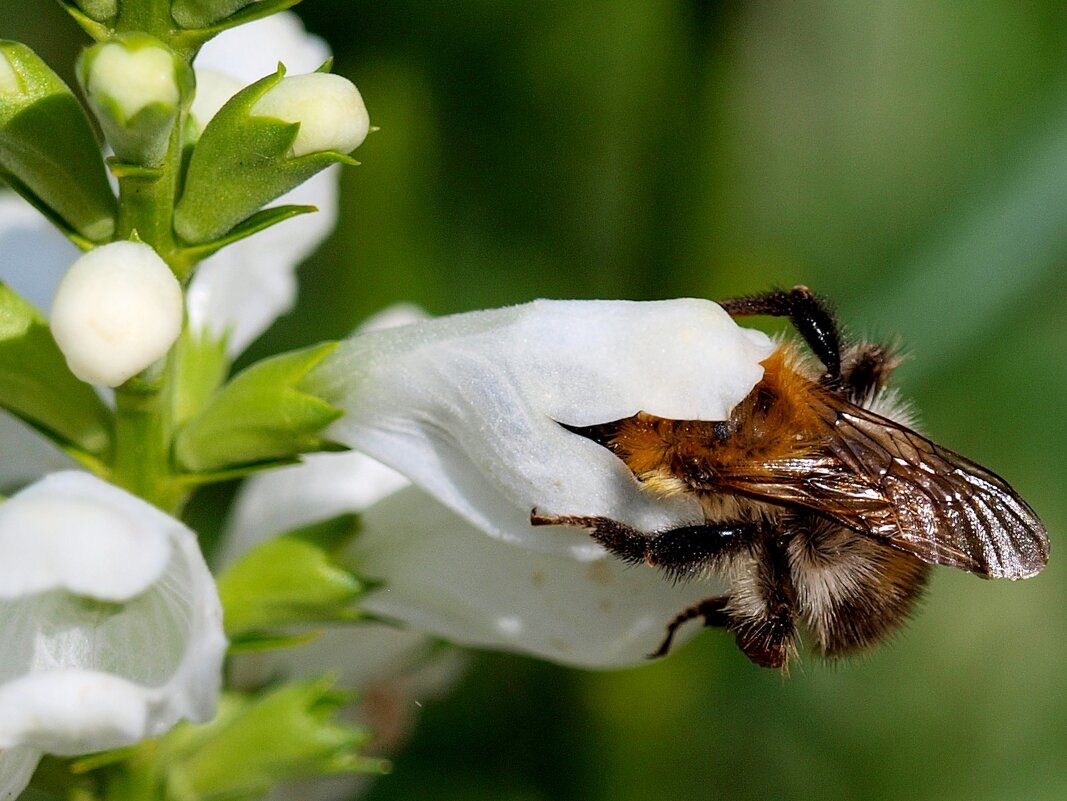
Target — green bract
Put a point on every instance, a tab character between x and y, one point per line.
240	163
254	742
263	414
99	10
290	580
36	385
201	13
135	87
48	152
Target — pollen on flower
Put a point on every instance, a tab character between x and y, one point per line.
117	310
329	108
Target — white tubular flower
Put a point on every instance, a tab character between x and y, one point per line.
116	311
111	625
329	108
466	407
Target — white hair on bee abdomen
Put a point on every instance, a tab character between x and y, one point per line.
830	565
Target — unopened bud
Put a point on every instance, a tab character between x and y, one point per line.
134	86
329	108
117	311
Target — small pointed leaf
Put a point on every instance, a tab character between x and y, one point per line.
262	414
292	579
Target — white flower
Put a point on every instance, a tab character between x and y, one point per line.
111	624
117	310
329	108
466	408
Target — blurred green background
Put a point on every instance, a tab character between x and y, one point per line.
907	159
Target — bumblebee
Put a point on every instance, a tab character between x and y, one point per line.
822	507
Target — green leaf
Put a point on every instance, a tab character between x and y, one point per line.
48	152
93	16
36	385
256	641
193	14
287	734
240	163
292	579
200	367
192	39
262	414
259	221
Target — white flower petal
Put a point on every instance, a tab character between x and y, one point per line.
445	577
324	486
245	287
240	291
71	712
467	406
213	89
251	51
132	77
72	532
16	769
328	108
113	656
33	254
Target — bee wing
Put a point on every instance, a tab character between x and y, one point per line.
884	480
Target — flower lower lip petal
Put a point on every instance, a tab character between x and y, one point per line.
72	711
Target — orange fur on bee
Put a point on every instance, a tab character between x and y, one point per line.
775	421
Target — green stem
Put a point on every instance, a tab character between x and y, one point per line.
144	405
150	16
143	434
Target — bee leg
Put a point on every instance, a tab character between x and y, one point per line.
810	315
763	608
768	640
681	553
713	610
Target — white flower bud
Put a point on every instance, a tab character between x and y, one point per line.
329	108
133	77
117	310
